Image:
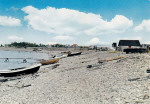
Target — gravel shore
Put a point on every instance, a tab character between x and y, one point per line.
122	81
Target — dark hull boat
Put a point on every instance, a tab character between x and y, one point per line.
74	54
20	71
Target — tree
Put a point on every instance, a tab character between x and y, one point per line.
25	44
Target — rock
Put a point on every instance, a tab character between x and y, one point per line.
148	70
3	80
145	97
148	88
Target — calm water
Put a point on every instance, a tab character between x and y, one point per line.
34	58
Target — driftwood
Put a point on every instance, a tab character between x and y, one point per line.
101	62
111	59
134	79
22	86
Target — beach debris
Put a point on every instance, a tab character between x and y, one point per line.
55	66
3	80
24	60
53	56
148	70
101	62
89	66
6	60
145	97
11	79
116	58
121	60
24	86
20	86
139	102
148	87
148	77
133	79
95	65
73	68
111	59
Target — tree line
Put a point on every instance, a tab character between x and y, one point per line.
25	44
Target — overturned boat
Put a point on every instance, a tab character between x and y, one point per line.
74	54
20	71
52	61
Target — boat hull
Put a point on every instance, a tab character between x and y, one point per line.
53	61
62	56
20	71
74	54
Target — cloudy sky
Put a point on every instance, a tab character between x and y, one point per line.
84	22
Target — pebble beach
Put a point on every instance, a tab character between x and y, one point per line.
122	81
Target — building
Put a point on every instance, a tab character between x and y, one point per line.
74	45
123	44
91	47
114	45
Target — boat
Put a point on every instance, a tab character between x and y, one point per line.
74	54
52	61
61	56
20	71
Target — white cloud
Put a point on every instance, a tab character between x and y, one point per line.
62	38
95	41
1	42
9	21
130	38
146	42
145	25
13	37
14	8
72	22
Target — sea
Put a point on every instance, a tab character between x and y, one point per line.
15	59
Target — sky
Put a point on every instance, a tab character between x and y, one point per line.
83	22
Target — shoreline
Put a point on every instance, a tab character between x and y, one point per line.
70	82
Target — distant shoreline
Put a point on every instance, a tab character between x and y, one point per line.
42	49
15	49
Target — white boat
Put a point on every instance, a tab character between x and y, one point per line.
61	56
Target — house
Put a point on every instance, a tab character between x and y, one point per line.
123	44
114	45
91	47
74	45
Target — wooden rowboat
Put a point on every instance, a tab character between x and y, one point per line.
52	61
20	71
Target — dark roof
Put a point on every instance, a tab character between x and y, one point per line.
129	43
